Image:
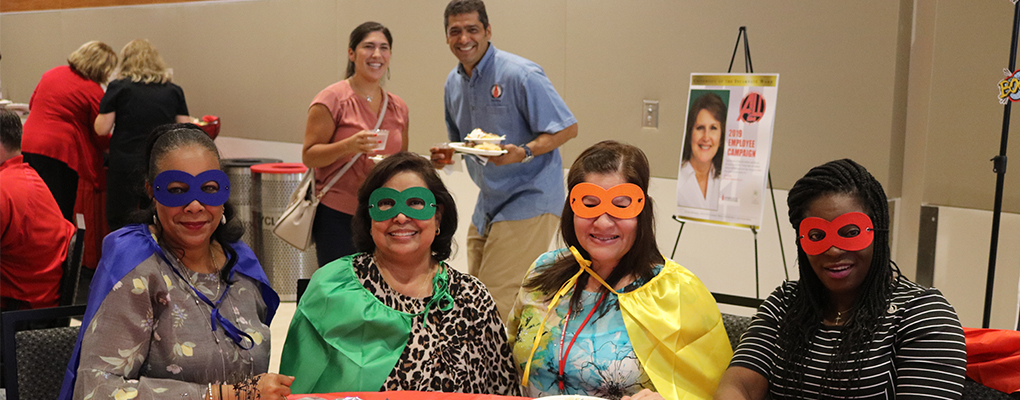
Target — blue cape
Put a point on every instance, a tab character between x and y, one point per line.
123	250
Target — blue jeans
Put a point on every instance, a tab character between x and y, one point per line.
332	234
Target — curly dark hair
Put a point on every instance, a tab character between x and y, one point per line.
605	157
806	311
162	143
361	223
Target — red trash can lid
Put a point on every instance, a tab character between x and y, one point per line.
279	168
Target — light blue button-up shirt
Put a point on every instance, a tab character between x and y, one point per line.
509	95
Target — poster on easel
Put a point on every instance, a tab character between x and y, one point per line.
724	156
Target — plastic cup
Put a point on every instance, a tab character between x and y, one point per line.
382	135
446	151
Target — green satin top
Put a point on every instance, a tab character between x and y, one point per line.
342	338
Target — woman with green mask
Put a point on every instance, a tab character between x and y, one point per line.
394	316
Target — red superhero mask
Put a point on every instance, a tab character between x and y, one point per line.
852	231
623	201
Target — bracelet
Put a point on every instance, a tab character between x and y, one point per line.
209	395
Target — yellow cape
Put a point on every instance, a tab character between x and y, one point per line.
675	327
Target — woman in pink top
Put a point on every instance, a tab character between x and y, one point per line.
340	123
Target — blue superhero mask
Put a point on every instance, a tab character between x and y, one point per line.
211	188
417	202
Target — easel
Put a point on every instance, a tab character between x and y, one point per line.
999	167
727	298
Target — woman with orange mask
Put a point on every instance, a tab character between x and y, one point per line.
602	318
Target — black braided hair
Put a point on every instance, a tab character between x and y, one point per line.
806	311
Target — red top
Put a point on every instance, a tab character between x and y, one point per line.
33	237
61	123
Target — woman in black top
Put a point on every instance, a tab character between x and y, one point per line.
852	327
142	99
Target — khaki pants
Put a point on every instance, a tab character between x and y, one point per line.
501	258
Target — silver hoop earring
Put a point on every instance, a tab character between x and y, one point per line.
155	221
223	219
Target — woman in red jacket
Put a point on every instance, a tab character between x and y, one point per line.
59	141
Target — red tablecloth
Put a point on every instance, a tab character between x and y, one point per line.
403	395
993	358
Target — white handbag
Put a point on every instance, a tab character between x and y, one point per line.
295	225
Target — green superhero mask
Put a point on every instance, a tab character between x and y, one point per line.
417	202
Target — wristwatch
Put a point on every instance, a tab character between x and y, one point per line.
527	154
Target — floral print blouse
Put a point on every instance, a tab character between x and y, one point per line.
152	336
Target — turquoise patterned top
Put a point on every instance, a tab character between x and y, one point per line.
601	362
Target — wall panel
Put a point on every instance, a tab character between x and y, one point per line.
257	64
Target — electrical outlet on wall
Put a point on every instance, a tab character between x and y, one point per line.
650	114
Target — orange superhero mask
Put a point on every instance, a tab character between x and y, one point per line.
622	201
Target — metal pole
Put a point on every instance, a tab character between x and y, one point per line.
779	232
673	254
999	167
757	281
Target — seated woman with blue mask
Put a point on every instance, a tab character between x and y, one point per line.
178	306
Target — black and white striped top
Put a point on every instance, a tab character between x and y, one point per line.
919	350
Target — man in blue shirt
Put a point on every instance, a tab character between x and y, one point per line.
521	192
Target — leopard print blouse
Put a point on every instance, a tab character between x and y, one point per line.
461	350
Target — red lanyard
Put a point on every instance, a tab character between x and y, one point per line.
563	336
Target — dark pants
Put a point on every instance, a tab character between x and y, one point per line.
332	234
125	194
60	179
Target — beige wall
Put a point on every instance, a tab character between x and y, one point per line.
257	64
911	97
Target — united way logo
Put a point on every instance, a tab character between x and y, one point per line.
752	108
496	91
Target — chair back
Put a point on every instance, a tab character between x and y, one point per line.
71	276
42	356
735	327
34	360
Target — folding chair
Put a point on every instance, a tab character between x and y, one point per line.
34	360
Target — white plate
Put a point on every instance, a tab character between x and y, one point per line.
461	147
570	397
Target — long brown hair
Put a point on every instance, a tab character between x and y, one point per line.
605	157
